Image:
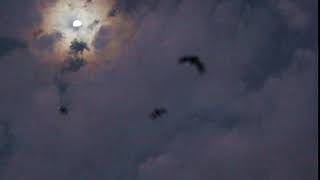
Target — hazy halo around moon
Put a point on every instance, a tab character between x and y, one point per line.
74	20
106	36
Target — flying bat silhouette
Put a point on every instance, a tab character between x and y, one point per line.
63	110
158	113
193	61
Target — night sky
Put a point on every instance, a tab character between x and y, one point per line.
252	115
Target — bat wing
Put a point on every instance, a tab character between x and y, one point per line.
200	67
153	116
183	60
163	111
158	113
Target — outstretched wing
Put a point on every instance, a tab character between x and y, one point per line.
193	61
158	113
63	110
200	67
187	60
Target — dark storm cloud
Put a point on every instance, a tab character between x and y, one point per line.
252	116
8	45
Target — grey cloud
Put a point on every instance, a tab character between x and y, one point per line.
46	42
255	150
78	47
296	14
73	63
102	38
8	45
6	143
246	116
131	6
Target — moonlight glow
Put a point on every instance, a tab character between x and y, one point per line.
77	23
63	21
75	20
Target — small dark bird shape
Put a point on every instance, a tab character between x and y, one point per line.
193	61
158	113
63	110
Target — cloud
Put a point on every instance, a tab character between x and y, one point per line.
253	115
131	6
77	47
73	63
8	45
6	144
102	38
46	42
270	143
298	15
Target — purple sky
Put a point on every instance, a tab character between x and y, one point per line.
252	116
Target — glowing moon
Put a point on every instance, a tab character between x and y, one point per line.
73	20
77	23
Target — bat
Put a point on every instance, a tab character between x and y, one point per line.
193	61
63	110
158	113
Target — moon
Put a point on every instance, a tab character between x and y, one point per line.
77	23
105	35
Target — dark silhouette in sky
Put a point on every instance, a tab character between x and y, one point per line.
158	113
71	64
8	44
193	61
252	115
77	47
63	110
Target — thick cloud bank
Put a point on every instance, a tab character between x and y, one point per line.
252	115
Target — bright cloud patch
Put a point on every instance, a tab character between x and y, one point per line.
75	20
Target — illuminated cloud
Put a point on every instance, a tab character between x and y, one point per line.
83	21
